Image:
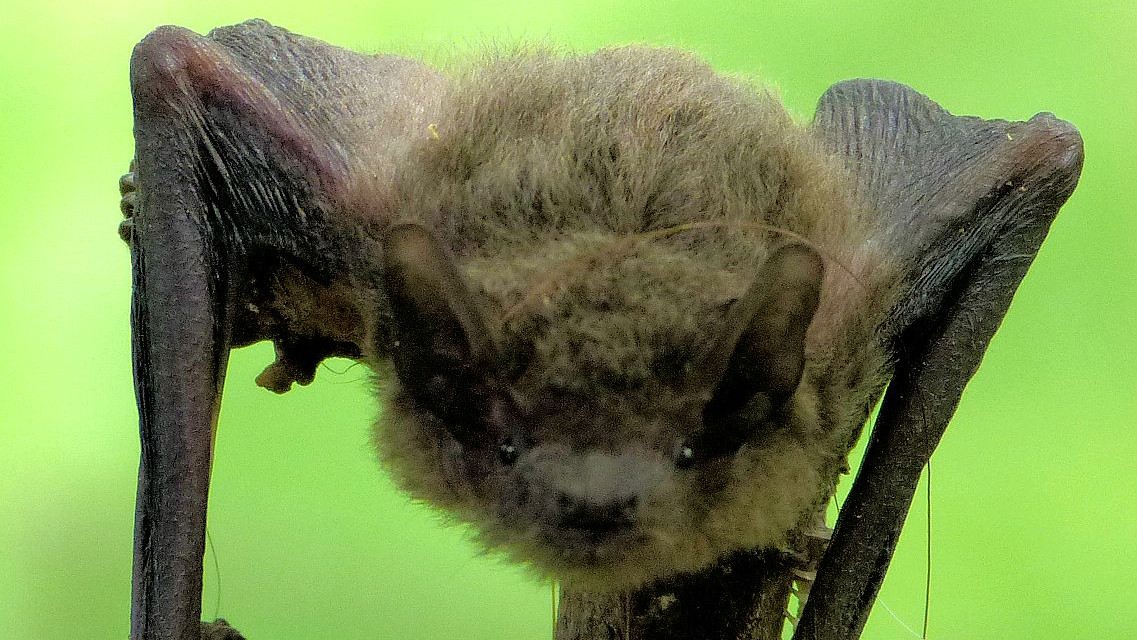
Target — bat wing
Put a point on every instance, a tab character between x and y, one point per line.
242	232
968	203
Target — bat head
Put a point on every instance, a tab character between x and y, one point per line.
632	425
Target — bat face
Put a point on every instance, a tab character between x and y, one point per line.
606	490
597	447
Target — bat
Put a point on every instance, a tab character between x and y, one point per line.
626	316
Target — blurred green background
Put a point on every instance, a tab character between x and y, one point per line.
1033	497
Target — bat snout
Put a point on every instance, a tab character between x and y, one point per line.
597	517
592	498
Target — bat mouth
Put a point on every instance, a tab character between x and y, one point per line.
594	545
594	524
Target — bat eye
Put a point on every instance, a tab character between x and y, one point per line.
684	455
507	452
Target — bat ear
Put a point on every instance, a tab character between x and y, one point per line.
444	344
761	346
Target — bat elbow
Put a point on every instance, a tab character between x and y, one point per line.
161	57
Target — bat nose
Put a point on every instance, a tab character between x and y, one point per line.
597	516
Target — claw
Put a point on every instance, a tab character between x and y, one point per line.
128	189
126	230
126	183
811	547
127	203
800	574
820	532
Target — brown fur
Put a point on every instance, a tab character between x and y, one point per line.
608	207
